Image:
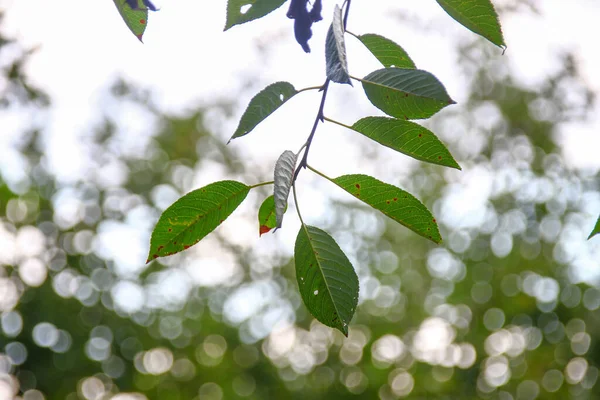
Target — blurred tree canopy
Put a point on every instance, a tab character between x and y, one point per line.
500	311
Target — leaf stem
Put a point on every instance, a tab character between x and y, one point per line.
320	117
337	123
296	203
320	173
347	2
353	34
309	88
261	184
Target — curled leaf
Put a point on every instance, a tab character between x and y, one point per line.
335	50
284	175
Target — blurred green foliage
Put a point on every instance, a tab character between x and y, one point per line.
500	311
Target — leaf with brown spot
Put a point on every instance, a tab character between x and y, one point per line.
386	89
326	279
135	19
406	137
406	209
194	216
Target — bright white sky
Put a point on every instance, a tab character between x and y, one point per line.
188	60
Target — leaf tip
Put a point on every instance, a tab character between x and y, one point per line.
344	329
263	229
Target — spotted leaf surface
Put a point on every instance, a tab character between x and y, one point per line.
394	202
194	216
242	11
386	51
478	16
406	93
326	279
262	105
336	61
406	137
136	20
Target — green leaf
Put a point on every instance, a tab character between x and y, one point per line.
386	51
596	229
406	93
406	137
266	216
326	279
284	175
194	216
335	50
242	11
262	105
478	16
136	20
394	202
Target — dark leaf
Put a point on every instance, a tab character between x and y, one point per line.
406	93
262	105
335	50
242	11
326	279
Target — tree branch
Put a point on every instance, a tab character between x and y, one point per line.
320	116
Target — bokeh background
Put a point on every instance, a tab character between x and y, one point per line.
99	134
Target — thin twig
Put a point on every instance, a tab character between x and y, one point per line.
297	206
318	119
261	184
346	15
320	116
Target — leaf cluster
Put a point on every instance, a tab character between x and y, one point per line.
326	279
